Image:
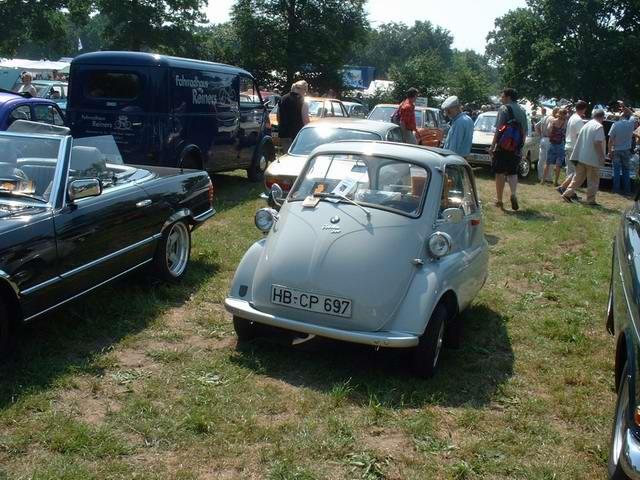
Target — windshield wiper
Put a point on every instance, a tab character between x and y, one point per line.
343	197
22	195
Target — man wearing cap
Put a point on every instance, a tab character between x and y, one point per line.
588	156
460	134
293	114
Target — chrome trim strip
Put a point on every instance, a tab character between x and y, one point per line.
91	264
243	309
88	290
5	276
59	174
205	215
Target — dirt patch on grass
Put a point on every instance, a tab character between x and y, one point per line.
388	443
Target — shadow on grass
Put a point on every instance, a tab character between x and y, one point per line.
469	376
234	189
69	340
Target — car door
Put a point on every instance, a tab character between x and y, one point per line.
430	134
628	256
252	115
467	236
100	237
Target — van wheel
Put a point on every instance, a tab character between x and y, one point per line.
255	172
245	329
191	159
426	355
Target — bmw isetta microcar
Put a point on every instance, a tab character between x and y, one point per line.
377	243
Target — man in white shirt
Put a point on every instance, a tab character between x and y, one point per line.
588	156
574	125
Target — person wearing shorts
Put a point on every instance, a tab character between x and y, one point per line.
505	163
557	129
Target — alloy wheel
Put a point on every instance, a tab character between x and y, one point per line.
177	250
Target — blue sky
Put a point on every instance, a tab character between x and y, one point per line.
468	20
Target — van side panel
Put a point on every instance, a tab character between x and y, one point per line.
205	114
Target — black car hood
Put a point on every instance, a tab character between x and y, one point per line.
13	214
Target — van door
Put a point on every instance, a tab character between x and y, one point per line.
116	101
252	116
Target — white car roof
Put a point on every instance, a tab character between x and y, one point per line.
425	156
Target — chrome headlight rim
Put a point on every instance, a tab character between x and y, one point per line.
439	244
265	218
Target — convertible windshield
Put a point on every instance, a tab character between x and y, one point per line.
368	180
485	123
28	163
310	138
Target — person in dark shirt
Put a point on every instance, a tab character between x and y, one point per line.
293	114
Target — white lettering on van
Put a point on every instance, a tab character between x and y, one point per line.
203	98
195	82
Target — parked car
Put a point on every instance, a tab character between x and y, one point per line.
623	321
430	131
73	217
356	110
172	112
53	90
14	106
377	243
286	168
606	171
318	108
483	132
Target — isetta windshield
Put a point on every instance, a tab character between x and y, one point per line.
368	180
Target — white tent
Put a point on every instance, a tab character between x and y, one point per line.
34	65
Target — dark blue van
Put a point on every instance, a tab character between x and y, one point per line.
171	111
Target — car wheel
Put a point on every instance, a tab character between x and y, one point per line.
619	429
427	354
245	329
6	330
524	169
255	172
174	250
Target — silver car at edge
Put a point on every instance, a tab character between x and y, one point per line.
377	243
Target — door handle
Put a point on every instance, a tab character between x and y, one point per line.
143	203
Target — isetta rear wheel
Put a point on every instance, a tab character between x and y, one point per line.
245	329
426	355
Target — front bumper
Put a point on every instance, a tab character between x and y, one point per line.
630	458
243	309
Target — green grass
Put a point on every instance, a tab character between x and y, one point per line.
145	380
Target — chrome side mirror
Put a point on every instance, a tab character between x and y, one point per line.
275	196
453	215
83	188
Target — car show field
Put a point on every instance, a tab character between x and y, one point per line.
143	379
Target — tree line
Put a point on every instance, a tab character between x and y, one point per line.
575	49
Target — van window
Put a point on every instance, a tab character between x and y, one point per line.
199	91
125	86
248	91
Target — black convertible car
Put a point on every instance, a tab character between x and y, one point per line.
623	321
73	217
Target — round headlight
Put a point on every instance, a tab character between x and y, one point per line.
439	244
265	218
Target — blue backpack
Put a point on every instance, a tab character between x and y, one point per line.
510	139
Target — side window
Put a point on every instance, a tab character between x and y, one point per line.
419	119
23	112
337	109
248	92
394	135
430	120
458	190
48	114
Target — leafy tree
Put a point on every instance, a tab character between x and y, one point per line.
281	40
470	78
570	48
161	25
426	72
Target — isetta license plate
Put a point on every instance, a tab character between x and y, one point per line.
312	302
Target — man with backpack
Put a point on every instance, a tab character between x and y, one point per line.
506	148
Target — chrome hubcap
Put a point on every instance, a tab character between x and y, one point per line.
524	167
262	163
620	426
177	251
439	345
